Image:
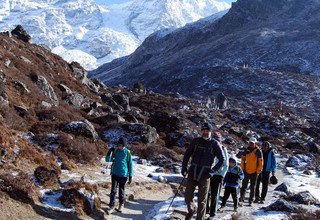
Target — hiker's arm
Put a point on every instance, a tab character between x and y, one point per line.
225	165
219	155
243	158
187	156
260	162
130	166
241	174
273	163
110	155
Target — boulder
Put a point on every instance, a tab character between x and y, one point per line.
175	139
108	119
75	99
64	89
81	74
21	110
130	118
20	85
106	97
141	132
122	100
47	89
4	99
283	187
159	170
95	105
142	161
293	162
236	131
304	197
162	179
3	77
313	148
46	177
21	34
294	146
164	122
46	105
81	128
221	101
281	206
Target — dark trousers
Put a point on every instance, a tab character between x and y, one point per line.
264	178
253	179
120	182
227	191
213	199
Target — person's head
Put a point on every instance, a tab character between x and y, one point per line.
252	142
232	162
122	143
266	145
206	129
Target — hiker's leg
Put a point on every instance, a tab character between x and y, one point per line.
226	195
114	185
253	181
122	184
215	193
233	191
244	186
209	203
257	193
189	193
265	183
203	188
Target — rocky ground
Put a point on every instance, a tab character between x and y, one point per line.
56	125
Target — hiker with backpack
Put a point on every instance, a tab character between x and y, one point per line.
269	165
216	179
232	183
121	172
203	151
251	164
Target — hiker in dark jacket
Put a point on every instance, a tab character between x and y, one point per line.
203	151
232	183
121	170
269	165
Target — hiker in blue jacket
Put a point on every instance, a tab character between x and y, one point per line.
232	183
270	165
121	170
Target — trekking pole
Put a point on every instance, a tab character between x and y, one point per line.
176	193
109	162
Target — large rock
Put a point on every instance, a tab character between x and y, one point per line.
281	206
65	89
81	74
21	34
221	101
122	100
294	146
293	162
304	197
313	148
47	89
164	122
109	119
75	99
46	177
81	128
20	85
282	188
141	132
175	139
21	110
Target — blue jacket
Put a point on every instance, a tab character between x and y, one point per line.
234	176
270	163
122	162
223	170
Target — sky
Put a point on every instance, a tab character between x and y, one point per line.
121	1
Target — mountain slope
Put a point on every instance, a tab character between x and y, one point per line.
93	34
269	34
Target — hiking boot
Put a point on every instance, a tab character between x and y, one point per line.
119	209
220	209
210	218
250	204
262	201
257	200
110	210
190	214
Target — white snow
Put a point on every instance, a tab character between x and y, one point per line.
93	34
51	200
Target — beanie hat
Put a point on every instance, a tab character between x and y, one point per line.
206	126
232	157
253	140
122	141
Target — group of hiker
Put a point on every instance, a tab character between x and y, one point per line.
211	167
209	170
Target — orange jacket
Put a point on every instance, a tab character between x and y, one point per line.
252	160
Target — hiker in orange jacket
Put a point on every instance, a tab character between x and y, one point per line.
251	164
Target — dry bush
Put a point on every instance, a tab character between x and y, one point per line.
81	149
19	187
12	119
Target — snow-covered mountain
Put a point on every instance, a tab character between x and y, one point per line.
93	34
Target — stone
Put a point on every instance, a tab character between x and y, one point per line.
21	86
75	99
21	110
283	187
293	162
3	77
142	161
294	146
83	127
109	119
46	105
164	122
64	88
21	34
122	100
142	132
47	89
282	206
81	74
161	179
304	197
221	101
175	139
313	148
159	170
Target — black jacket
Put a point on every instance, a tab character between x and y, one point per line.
203	153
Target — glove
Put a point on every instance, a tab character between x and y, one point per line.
130	180
184	172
